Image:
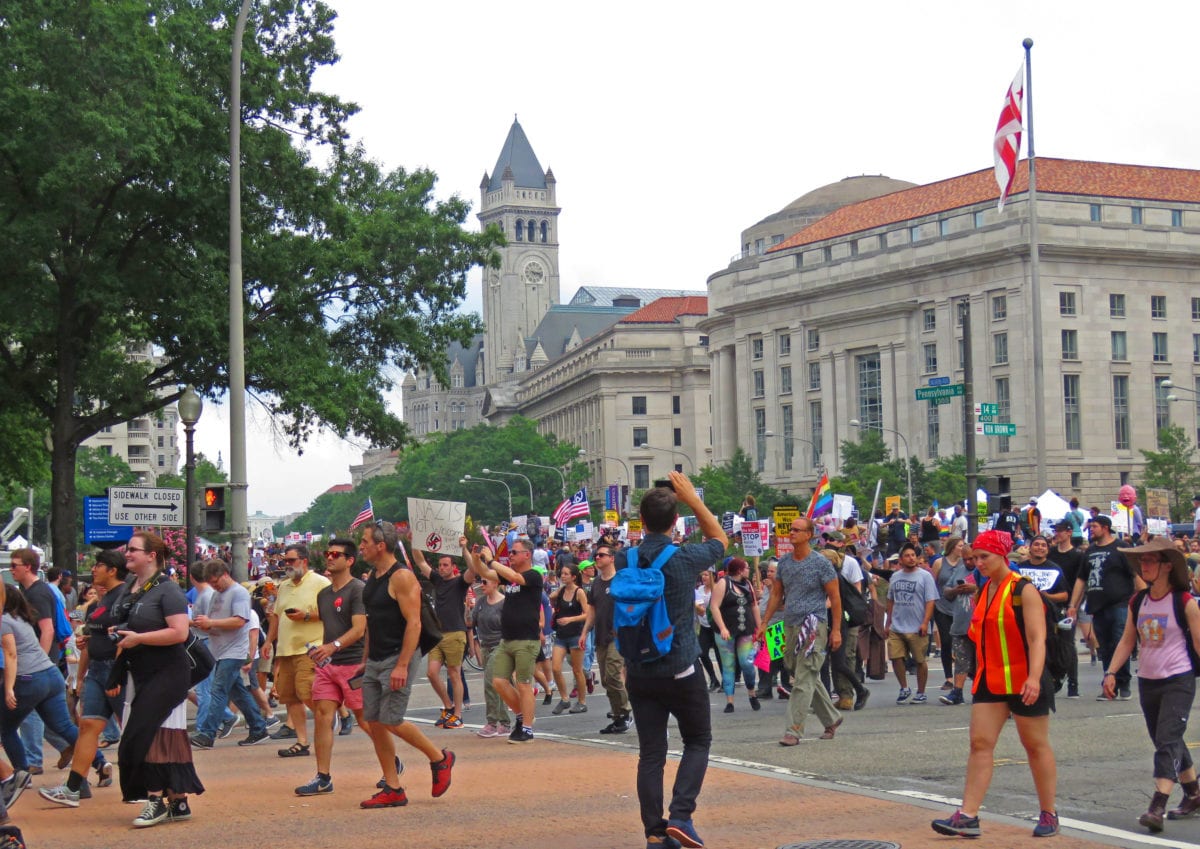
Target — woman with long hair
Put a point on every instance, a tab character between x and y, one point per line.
155	755
944	606
570	606
735	617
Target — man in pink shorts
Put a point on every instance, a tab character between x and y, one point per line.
339	659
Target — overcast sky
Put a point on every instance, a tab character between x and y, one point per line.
671	127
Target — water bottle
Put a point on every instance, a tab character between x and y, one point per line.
318	663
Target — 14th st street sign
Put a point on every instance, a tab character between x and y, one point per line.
143	505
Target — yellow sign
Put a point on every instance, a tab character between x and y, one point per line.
783	517
611	517
635	529
890	503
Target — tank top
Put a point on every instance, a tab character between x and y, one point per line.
735	608
1161	650
564	608
385	624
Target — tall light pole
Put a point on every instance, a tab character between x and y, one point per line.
532	509
1170	384
190	407
770	434
240	524
507	488
907	465
561	476
628	478
646	447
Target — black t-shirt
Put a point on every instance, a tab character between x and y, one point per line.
41	598
896	530
450	598
151	608
1009	522
929	529
1107	576
336	607
99	618
1047	577
522	607
1069	561
602	610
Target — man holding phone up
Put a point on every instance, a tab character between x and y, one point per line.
338	659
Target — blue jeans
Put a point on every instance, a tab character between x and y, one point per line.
226	683
589	654
1109	625
202	698
33	733
44	693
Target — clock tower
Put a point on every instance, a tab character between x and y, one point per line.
519	198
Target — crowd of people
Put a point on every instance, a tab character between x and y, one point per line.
344	640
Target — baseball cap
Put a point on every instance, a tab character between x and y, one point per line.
1064	525
1103	520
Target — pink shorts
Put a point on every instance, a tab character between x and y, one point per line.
332	684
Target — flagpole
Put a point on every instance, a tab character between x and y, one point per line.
1035	285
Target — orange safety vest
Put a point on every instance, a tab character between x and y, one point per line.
1001	649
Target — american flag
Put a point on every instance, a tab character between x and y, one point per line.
573	508
1007	143
366	514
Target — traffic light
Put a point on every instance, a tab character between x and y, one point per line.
214	508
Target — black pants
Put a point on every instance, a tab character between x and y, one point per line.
654	701
839	665
1166	704
945	641
708	642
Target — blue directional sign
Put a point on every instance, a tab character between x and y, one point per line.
939	381
95	523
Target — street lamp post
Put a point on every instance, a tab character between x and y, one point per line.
628	478
1169	384
532	509
770	434
646	447
190	406
507	488
907	465
561	476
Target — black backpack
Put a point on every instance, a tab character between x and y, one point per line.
854	603
1180	597
1058	643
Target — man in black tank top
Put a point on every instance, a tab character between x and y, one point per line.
392	598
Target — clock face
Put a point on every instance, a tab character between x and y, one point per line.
534	272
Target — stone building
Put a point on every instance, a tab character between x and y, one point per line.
845	318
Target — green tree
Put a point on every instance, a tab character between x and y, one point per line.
865	462
114	196
726	485
1173	467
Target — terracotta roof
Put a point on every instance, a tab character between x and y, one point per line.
668	310
339	487
1055	176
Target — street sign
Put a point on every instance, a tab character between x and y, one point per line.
939	381
987	409
985	418
144	505
928	393
937	402
995	429
96	527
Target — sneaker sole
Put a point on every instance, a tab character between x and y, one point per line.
58	800
367	807
684	839
179	817
320	791
955	832
148	823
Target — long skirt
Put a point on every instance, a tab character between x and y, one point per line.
155	754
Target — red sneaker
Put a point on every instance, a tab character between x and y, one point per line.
441	773
386	798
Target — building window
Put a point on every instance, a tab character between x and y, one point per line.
789	444
1162	409
1176	217
1195	309
756	348
785	344
883	245
760	388
929	357
816	430
532	230
928	319
1120	351
999	307
1196	347
639	436
1160	347
1074	480
1094	212
785	379
870	390
160	442
641	477
1070	344
827	254
814	375
760	439
545	232
813	338
678	437
1121	412
944	227
933	428
1066	304
999	349
776	240
1071	423
1116	306
914	234
1158	306
675	405
520	230
1135	215
1196	394
978	220
1004	410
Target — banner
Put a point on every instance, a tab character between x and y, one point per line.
892	502
612	497
783	517
756	536
635	530
843	506
436	525
1158	503
775	639
611	518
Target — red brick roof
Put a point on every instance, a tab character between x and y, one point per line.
668	310
1055	176
339	487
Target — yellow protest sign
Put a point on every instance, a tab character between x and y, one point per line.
892	502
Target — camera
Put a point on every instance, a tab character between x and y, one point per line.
665	484
113	635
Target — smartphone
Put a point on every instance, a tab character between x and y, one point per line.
356	682
665	484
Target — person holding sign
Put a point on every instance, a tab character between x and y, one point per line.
450	589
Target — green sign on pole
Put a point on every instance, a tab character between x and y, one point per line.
929	393
996	429
987	409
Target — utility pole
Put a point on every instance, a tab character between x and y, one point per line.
964	314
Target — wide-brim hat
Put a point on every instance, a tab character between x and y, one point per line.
1180	578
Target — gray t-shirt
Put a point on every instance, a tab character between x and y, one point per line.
804	586
955	575
486	617
909	593
201	607
30	657
231	643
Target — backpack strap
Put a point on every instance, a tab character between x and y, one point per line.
1137	602
663	556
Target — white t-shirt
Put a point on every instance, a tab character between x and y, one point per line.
540	557
851	570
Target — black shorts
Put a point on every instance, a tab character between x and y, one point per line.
1042	707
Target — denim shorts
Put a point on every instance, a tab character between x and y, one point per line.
95	704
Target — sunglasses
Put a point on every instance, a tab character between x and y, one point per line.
291	560
334	555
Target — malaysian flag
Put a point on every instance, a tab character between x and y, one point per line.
366	514
1007	143
574	507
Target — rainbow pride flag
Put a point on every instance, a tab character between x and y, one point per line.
822	499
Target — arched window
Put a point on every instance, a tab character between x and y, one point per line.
532	230
520	229
545	232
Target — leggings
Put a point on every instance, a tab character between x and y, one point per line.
708	642
737	654
943	622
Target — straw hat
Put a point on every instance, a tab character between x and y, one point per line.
1180	578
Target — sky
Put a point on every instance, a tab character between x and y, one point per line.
672	127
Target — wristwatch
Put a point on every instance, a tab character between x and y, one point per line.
337	644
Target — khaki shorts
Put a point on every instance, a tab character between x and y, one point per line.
380	702
451	649
294	679
901	646
516	656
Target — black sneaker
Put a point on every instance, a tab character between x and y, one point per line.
617	726
178	810
153	812
253	738
381	784
520	734
201	741
284	733
226	728
957	824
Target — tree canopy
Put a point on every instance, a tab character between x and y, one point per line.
114	172
726	485
1173	467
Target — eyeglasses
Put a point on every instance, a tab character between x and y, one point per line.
129	550
291	560
334	555
604	554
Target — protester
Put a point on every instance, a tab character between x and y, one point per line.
735	616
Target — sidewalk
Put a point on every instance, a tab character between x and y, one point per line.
542	794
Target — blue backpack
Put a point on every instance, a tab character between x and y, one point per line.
642	625
63	629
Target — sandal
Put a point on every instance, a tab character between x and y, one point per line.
296	750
